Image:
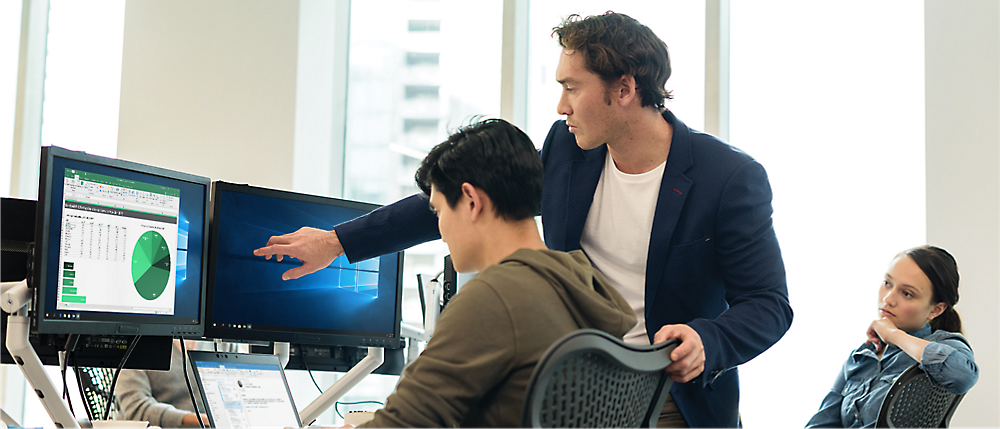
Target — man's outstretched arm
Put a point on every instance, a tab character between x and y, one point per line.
388	229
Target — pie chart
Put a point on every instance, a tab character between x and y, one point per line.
150	265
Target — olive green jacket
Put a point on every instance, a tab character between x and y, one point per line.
475	370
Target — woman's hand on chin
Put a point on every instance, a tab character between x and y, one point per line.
879	332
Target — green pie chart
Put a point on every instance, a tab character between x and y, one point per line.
150	265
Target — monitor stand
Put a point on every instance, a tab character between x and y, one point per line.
371	362
376	355
16	297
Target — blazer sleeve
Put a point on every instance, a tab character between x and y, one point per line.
388	229
753	275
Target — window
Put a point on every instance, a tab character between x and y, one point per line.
414	75
10	35
423	58
390	124
413	126
416	25
83	76
422	91
79	111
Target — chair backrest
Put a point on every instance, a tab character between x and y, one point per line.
96	386
916	401
591	379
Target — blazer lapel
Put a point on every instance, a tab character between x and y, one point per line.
584	175
669	203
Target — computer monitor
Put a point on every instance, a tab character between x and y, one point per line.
349	304
120	247
17	235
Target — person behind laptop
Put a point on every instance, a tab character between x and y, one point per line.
485	185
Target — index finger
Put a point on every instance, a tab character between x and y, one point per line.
274	249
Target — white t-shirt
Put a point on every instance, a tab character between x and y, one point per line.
616	235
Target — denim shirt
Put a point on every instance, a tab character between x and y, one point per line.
857	394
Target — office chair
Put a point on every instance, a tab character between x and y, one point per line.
96	385
916	401
591	379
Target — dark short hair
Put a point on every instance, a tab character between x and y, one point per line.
614	45
492	155
941	269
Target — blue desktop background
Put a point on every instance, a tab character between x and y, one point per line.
248	289
191	230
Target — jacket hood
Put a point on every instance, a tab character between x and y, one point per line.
590	298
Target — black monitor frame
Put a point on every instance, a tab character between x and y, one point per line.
17	232
215	329
101	323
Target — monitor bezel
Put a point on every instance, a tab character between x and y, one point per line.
138	325
291	335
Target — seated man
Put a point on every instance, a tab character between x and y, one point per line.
485	184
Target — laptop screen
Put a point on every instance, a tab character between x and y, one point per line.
244	390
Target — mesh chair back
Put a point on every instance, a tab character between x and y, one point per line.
916	401
96	386
591	379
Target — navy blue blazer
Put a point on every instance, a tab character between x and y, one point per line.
713	262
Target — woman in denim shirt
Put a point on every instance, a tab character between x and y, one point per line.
917	323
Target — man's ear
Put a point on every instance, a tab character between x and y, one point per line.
625	90
476	200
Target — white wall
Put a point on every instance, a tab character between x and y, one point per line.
209	88
962	42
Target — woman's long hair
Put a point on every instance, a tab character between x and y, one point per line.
942	270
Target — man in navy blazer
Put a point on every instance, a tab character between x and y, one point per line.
710	273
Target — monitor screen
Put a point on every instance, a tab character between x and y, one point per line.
351	304
120	247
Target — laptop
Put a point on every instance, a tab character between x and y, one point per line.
244	390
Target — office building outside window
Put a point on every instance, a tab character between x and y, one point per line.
418	70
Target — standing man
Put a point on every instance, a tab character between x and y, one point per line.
678	220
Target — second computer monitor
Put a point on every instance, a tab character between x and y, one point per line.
351	304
